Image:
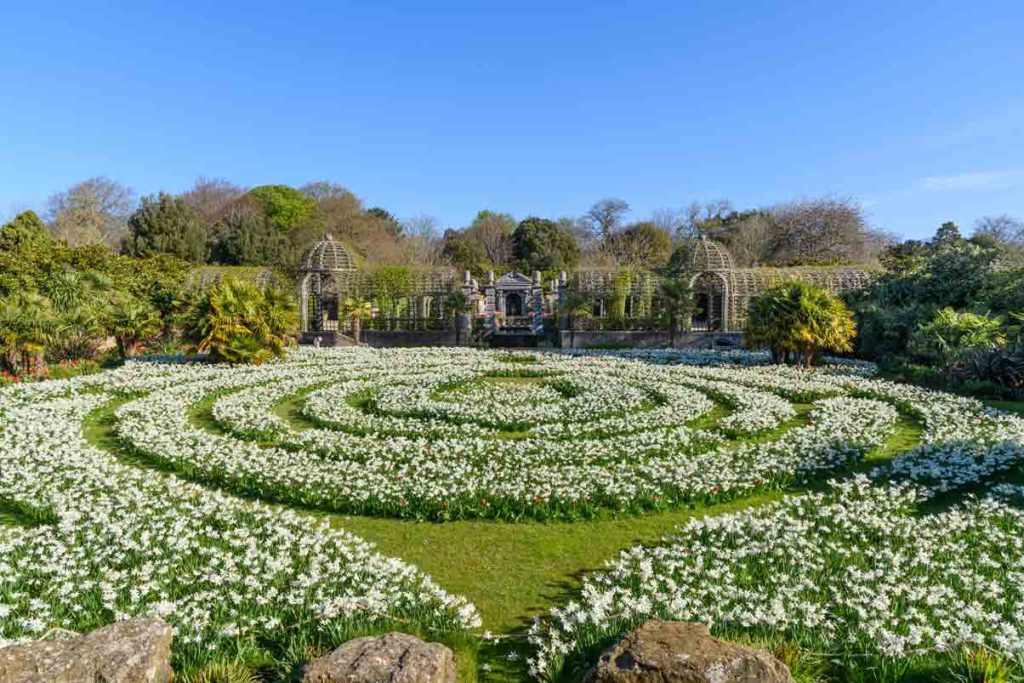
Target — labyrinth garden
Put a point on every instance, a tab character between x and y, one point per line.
859	528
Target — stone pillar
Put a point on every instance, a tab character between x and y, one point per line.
465	319
563	298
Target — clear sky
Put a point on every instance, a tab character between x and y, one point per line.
444	108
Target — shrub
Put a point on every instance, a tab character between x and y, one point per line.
795	320
239	322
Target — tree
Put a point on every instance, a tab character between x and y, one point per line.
285	207
421	245
247	237
238	322
641	245
795	319
1003	229
168	225
211	199
132	322
540	244
342	215
27	324
463	252
386	219
356	311
24	230
948	233
819	231
677	296
94	211
950	333
493	232
605	217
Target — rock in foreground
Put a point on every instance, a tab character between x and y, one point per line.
135	651
684	652
391	658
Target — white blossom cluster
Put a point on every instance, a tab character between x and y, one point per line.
445	455
116	541
854	570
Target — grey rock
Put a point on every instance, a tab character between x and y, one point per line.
135	651
391	658
684	652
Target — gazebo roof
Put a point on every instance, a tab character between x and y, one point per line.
328	255
710	255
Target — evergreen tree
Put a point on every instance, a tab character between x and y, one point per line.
166	225
540	244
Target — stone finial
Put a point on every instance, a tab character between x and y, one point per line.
536	276
466	277
490	277
563	278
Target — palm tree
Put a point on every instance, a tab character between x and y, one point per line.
131	322
575	308
951	333
27	324
459	304
238	322
795	319
356	310
678	299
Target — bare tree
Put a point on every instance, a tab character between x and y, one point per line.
1004	228
342	212
824	230
672	221
641	245
421	241
698	218
94	211
212	198
493	231
605	216
749	239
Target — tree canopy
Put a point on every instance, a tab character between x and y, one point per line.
164	224
541	244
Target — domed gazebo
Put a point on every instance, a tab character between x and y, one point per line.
328	268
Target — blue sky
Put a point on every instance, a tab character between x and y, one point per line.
443	108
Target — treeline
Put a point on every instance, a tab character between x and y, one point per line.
218	222
825	231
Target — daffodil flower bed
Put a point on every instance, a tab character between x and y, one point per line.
470	439
115	541
442	434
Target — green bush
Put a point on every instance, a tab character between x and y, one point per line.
240	322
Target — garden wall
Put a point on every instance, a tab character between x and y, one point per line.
383	338
648	339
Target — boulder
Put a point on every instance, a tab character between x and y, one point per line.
135	651
684	652
391	658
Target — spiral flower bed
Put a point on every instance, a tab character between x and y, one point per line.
173	519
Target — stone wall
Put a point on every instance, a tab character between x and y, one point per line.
382	338
649	340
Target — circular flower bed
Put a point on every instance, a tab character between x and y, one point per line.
447	434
